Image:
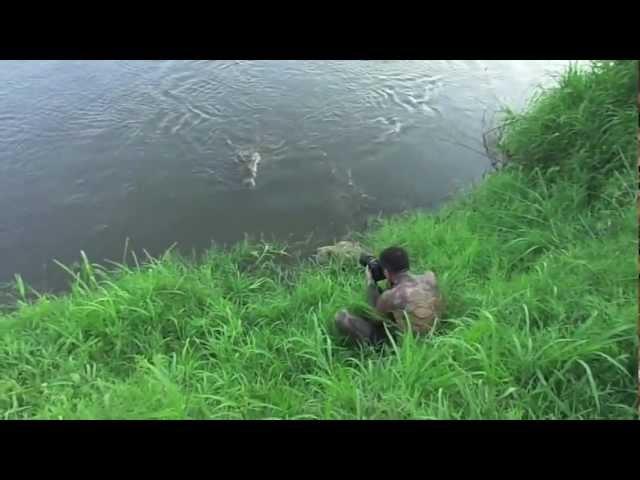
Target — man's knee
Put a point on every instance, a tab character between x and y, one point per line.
355	328
342	322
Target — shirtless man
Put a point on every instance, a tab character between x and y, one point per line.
412	300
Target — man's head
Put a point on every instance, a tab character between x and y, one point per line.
394	260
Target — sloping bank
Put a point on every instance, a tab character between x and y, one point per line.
538	265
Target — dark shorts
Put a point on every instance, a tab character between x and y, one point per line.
361	330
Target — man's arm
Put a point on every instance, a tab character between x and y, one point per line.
373	294
388	301
384	302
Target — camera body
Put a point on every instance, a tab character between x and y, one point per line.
373	264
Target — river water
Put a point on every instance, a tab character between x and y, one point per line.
95	152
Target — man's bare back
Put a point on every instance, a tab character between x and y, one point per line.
414	298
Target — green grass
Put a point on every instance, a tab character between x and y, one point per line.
538	266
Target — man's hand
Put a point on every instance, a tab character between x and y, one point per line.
368	277
373	292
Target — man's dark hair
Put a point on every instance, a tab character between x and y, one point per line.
394	259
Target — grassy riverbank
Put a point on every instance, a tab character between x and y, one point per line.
538	265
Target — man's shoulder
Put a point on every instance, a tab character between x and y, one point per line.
428	277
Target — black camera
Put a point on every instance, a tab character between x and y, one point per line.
373	264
